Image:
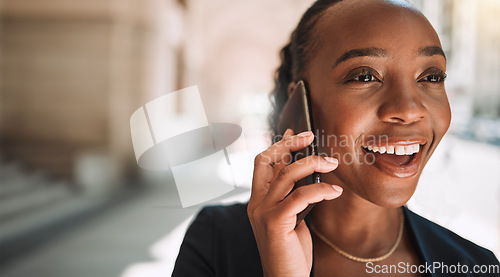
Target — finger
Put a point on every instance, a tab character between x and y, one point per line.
287	158
287	177
264	162
259	191
300	198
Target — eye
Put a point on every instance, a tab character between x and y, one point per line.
364	75
435	76
365	78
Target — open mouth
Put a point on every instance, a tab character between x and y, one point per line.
397	155
396	160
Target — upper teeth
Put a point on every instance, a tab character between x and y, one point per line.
396	149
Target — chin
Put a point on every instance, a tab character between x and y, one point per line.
390	194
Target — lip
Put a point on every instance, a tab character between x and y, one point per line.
404	171
400	142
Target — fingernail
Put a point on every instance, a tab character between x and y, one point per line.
337	188
287	133
305	134
331	160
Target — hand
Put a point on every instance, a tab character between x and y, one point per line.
285	250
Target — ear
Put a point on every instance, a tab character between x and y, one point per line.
291	88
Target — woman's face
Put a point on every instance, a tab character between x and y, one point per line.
376	80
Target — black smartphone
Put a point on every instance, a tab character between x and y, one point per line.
296	115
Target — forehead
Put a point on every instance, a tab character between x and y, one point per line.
376	23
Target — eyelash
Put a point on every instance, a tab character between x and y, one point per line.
355	77
365	72
441	76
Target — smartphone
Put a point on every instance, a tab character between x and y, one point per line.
297	115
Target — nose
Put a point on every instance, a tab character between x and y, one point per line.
402	104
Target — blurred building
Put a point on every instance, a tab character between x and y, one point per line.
72	73
470	34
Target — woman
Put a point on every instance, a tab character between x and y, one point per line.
375	71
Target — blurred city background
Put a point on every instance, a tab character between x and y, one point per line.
73	201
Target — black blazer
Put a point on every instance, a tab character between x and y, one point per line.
220	242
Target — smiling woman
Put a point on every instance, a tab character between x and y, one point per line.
378	82
375	73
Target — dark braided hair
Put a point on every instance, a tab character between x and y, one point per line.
294	57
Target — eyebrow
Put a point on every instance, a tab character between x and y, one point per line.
362	52
379	52
431	51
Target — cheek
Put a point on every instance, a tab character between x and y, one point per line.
342	115
340	123
446	117
441	115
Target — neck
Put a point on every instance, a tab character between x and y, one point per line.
356	225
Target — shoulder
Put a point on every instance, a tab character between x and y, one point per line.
438	244
231	228
220	241
235	213
226	222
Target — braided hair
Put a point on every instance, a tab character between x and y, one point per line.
294	57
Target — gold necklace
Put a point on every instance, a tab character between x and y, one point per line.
359	259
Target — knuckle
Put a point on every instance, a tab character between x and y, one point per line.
269	221
256	213
316	161
306	161
326	187
259	159
284	172
264	218
286	141
299	193
250	213
319	163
